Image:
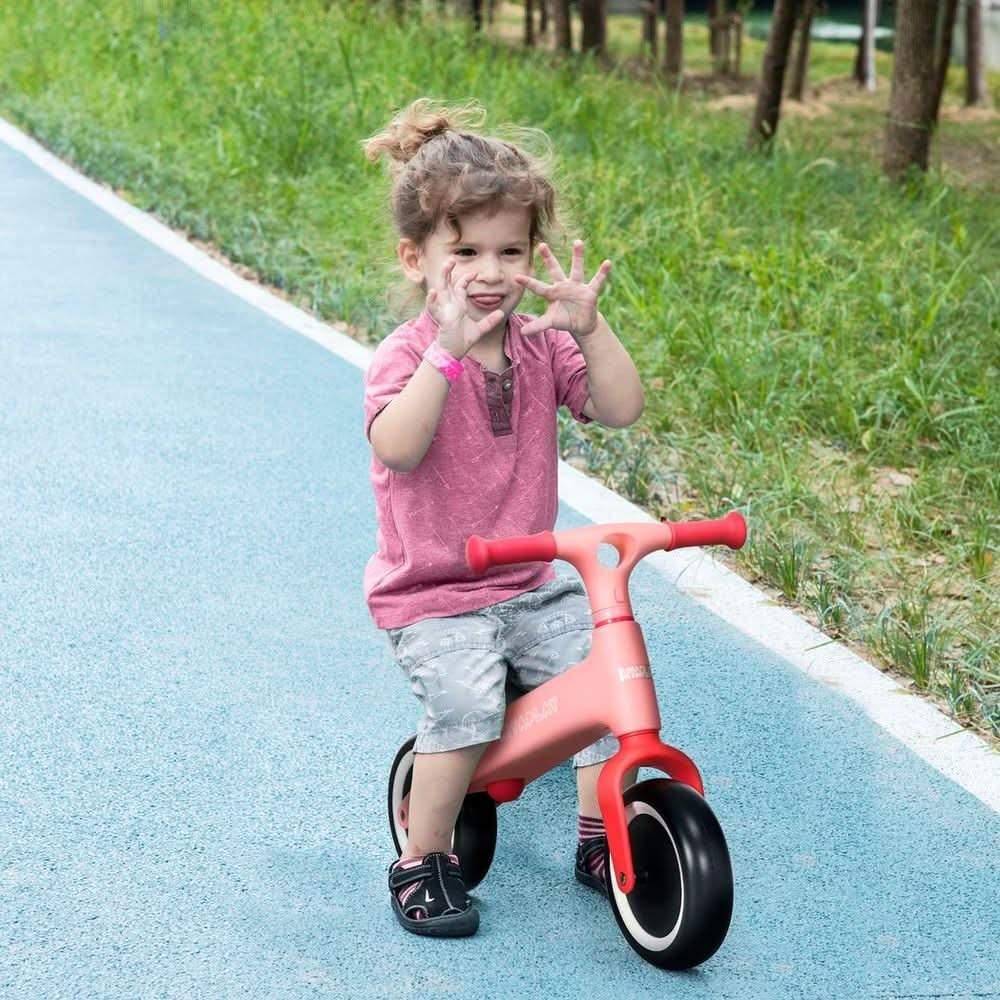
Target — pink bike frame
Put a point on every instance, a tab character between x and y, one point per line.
611	690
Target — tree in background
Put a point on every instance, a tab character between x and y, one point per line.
739	22
593	20
674	41
975	78
912	108
726	35
529	23
716	12
800	68
564	25
946	30
772	79
650	13
864	62
721	28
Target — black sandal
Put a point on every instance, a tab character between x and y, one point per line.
439	905
585	853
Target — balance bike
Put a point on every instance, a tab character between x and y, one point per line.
669	879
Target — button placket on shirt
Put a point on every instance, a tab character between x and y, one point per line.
499	389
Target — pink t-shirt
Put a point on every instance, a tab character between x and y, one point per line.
490	470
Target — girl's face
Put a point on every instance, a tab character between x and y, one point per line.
493	248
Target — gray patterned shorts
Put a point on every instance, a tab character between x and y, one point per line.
459	668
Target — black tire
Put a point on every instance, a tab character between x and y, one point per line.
678	913
475	837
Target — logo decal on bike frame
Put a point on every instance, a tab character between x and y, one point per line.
635	672
546	710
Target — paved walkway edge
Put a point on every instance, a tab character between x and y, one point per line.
957	753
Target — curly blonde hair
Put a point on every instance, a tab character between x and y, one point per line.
443	170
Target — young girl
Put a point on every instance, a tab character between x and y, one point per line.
460	410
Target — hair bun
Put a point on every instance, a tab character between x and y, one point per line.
416	125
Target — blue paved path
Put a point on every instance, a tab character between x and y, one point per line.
196	716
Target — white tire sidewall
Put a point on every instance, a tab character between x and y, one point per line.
635	930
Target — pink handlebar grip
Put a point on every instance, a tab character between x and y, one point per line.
481	554
730	530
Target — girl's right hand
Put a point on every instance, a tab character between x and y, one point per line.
457	331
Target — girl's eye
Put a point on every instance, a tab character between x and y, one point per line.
465	252
513	251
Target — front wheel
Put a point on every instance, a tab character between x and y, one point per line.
475	838
678	913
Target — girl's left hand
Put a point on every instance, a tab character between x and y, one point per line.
572	301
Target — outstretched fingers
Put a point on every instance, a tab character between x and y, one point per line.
549	259
538	325
494	319
598	279
576	268
534	285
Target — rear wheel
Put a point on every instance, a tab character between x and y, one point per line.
475	838
678	913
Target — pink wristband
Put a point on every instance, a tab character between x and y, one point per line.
448	366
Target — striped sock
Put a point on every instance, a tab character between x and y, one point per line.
588	827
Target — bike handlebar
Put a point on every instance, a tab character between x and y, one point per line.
730	530
632	540
481	553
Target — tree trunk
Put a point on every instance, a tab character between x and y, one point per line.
859	52
801	68
975	85
592	18
772	78
649	17
543	23
564	26
719	39
476	9
949	11
529	23
868	56
911	106
864	60
738	44
714	17
674	43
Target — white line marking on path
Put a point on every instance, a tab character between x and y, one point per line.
962	756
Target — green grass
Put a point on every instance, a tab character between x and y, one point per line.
820	348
